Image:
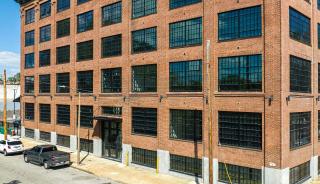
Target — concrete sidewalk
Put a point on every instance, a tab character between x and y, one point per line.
116	171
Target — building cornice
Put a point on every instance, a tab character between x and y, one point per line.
23	2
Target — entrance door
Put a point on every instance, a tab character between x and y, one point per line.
112	139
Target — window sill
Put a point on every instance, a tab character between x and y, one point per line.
29	94
44	94
63	125
110	94
143	135
144	94
300	147
239	39
47	123
186	141
143	52
240	148
135	18
185	94
240	94
186	46
62	94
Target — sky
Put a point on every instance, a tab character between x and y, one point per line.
9	37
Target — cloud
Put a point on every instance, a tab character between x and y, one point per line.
11	61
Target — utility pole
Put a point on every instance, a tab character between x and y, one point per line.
209	113
14	104
5	104
78	136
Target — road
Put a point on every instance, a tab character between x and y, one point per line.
13	170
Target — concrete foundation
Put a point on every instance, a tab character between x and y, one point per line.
276	176
53	138
205	170
36	134
215	170
97	147
23	130
314	167
73	142
126	154
164	161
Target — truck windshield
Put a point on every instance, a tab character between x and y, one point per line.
14	143
48	149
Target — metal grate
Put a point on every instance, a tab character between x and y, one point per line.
86	145
144	121
63	140
29	133
144	40
300	173
239	174
186	124
242	23
186	165
186	76
240	129
45	136
144	157
144	78
300	129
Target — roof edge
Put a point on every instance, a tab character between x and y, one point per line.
23	2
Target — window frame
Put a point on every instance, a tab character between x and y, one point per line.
64	5
63	28
43	113
115	17
299	129
87	47
66	83
29	38
32	14
88	21
45	33
44	58
29	111
85	80
43	8
26	56
141	125
153	10
65	113
111	46
44	87
112	79
29	85
148	75
297	67
143	35
294	35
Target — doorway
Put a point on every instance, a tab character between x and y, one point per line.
112	139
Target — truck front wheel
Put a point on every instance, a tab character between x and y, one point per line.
46	165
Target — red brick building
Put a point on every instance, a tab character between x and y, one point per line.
141	69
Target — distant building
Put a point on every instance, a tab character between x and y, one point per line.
140	66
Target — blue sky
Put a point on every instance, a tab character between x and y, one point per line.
9	36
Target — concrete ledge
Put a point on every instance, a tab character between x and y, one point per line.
164	161
53	138
73	143
36	134
97	147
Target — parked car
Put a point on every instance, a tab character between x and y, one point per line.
11	146
46	155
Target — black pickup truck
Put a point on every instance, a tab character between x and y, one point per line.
46	155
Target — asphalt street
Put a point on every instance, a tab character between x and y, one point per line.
13	170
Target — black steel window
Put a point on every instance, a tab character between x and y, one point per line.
45	9
29	84
63	140
86	116
44	58
63	54
29	133
45	113
44	83
240	129
30	15
112	110
142	8
144	121
186	76
239	174
300	75
300	173
240	73
300	129
63	5
29	111
63	83
86	145
319	35
242	23
144	157
186	33
63	28
144	40
319	128
111	80
186	165
29	60
111	46
45	136
85	50
318	78
85	81
85	21
45	33
112	14
180	3
29	38
144	78
299	27
63	115
186	124
82	1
